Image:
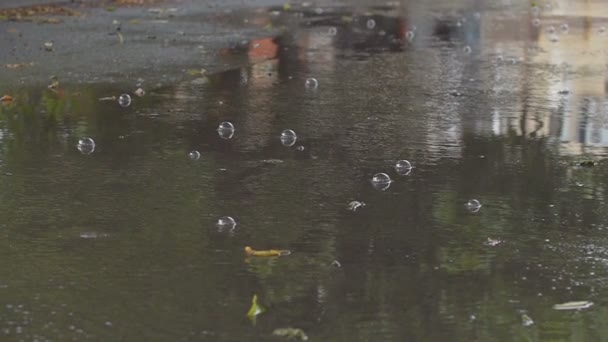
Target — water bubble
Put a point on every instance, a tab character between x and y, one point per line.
300	148
86	145
288	137
535	11
403	167
409	35
332	31
459	23
371	23
565	28
536	22
381	181
467	49
554	38
500	59
473	205
477	15
311	83
225	223
194	155
225	130
124	100
551	29
602	30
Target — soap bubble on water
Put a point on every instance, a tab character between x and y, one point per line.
536	22
288	138
332	31
565	28
473	205
551	29
311	83
225	223
194	155
86	145
124	100
371	24
381	181
467	49
225	130
403	167
535	11
409	35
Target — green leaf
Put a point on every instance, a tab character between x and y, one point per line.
255	309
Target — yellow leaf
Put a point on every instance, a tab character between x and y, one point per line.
267	253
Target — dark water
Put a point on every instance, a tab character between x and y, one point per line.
121	244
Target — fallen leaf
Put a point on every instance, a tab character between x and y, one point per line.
6	99
266	253
577	305
18	65
255	309
54	85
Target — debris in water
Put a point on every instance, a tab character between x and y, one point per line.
526	321
108	98
6	99
492	242
587	163
354	205
266	253
140	92
336	264
291	334
54	83
18	65
577	305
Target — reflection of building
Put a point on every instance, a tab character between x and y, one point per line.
557	86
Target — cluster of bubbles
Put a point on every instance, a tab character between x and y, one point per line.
382	181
